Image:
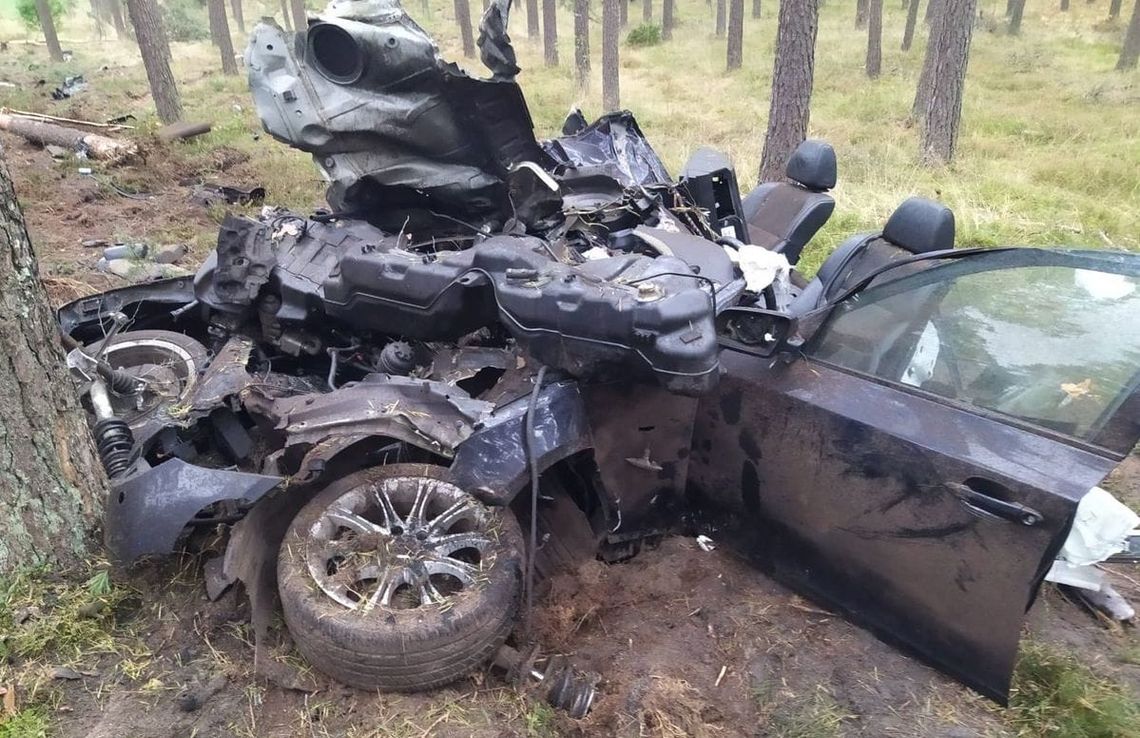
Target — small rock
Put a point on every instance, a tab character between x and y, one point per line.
126	251
66	672
169	254
57	152
193	698
124	268
94	243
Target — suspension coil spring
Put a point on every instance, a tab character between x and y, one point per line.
114	442
123	383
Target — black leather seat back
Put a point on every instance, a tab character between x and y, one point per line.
783	216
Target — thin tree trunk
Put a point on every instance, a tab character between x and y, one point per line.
792	78
667	19
931	11
155	50
285	15
735	34
720	17
1016	13
1064	6
1114	9
1130	51
874	62
911	21
611	89
943	110
549	32
582	43
623	13
755	8
925	78
51	482
121	29
220	34
300	20
861	13
47	25
239	14
533	28
463	18
647	11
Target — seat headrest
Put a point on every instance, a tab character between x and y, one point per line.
920	225
813	165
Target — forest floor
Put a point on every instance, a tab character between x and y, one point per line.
1049	155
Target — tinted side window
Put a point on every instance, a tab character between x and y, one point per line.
1057	346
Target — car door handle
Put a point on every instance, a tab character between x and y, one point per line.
990	506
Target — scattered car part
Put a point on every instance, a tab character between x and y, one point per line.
416	581
562	686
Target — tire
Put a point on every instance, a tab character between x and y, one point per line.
406	644
172	360
566	539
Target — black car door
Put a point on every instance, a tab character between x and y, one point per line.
919	465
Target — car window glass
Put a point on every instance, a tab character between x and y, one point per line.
1057	346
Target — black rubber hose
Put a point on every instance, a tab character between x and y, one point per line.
532	462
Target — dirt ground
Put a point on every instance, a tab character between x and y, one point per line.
688	642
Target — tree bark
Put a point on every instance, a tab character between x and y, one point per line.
735	34
1064	6
861	13
874	61
755	8
220	34
47	24
300	19
611	20
931	11
155	50
1130	51
623	13
925	78
792	79
720	17
533	28
911	21
1009	7
121	28
943	107
463	18
1114	9
667	19
1015	15
51	482
647	11
550	33
239	14
582	43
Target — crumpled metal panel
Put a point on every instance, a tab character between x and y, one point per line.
147	512
615	146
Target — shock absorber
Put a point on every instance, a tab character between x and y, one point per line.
113	438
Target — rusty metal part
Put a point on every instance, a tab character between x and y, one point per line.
562	685
453	365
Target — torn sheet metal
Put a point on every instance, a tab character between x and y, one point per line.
615	146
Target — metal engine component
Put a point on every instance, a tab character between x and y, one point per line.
397	357
561	684
113	438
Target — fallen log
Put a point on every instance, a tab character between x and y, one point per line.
92	144
179	131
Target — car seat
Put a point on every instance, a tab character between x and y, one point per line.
918	226
783	216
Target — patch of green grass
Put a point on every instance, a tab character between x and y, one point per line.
539	720
647	34
815	715
1056	695
31	722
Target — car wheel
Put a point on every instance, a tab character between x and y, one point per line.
167	363
395	578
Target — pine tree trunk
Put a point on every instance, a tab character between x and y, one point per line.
755	8
925	78
647	11
463	18
1009	7
1114	9
549	32
720	17
667	19
911	21
931	11
735	34
1064	6
792	78
943	109
611	89
300	20
51	482
1130	51
155	50
121	29
582	43
874	62
239	15
1015	15
285	15
861	13
623	13
47	24
533	28
220	34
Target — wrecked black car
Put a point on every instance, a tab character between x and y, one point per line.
495	357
